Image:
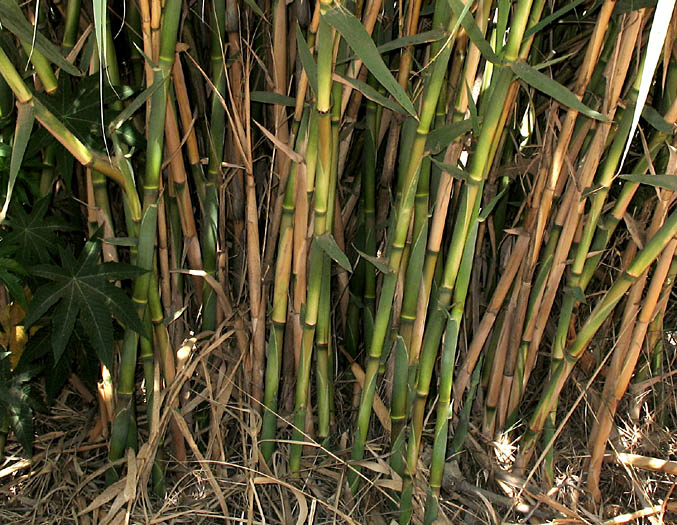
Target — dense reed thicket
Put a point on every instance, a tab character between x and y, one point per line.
404	223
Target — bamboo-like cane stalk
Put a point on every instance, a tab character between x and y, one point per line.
148	229
584	75
626	353
467	214
70	31
616	385
209	243
317	258
447	361
279	311
397	243
641	262
324	375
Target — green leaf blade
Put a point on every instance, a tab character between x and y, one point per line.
359	40
24	125
99	328
666	181
554	89
328	245
64	319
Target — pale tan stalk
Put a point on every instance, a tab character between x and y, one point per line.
573	206
177	172
626	352
584	75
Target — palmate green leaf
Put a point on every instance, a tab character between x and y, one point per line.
554	89
97	322
13	19
44	298
10	270
21	422
13	284
666	181
328	245
81	111
63	321
359	40
34	234
83	292
37	346
24	125
16	404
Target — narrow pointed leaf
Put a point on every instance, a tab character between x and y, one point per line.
440	138
468	22
99	11
307	60
474	119
412	40
553	88
550	63
135	105
255	7
370	93
666	181
24	125
455	172
380	264
114	271
557	15
328	245
492	204
13	19
122	241
359	40
654	118
268	97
